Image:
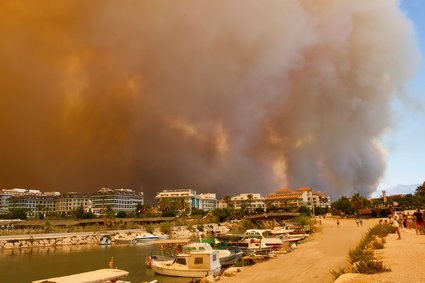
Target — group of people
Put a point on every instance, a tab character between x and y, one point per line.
401	220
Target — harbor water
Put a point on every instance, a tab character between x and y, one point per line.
27	265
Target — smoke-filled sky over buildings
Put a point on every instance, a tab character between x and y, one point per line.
218	96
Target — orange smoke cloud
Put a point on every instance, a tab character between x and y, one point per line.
226	96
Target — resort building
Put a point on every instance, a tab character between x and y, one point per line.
250	201
208	201
286	198
34	203
66	203
118	199
4	203
188	198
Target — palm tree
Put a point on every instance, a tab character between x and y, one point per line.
164	204
250	198
358	202
228	201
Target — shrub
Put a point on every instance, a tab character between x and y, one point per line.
370	267
303	220
122	214
338	273
360	254
247	224
166	227
149	229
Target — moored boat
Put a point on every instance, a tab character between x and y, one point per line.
145	237
195	264
226	257
262	235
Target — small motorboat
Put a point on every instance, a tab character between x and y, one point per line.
194	264
105	240
226	257
262	235
145	237
281	230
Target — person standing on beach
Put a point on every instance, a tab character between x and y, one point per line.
361	222
337	223
396	225
419	222
357	222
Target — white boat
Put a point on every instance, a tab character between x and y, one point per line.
195	264
105	241
96	276
281	230
145	237
226	257
258	234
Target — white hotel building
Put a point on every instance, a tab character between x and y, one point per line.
205	201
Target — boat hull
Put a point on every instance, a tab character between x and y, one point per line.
230	260
182	272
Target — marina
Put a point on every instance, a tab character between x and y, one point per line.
27	265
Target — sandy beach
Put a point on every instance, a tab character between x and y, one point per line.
311	261
404	258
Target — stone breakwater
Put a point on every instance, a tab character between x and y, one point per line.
61	241
46	240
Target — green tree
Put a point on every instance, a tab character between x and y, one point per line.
343	205
228	201
18	213
41	210
420	191
79	212
358	202
165	204
304	210
223	214
110	213
121	214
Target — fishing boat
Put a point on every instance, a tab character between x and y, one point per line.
96	276
194	264
145	237
263	235
226	257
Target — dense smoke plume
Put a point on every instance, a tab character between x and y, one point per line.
222	96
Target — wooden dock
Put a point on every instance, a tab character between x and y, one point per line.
96	276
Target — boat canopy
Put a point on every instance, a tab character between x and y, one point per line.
199	259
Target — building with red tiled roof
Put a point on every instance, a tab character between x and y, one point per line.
304	196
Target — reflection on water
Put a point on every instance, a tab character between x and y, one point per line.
26	265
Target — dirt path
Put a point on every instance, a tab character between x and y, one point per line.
311	261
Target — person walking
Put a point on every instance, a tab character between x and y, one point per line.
419	221
357	222
361	222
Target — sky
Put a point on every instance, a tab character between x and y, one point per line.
404	143
211	95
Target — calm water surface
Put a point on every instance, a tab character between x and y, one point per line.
27	265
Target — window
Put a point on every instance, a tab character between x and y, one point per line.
214	257
181	260
199	260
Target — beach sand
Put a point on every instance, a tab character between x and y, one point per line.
312	261
404	257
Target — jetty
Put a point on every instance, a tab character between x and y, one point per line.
96	276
